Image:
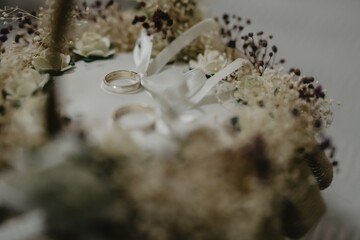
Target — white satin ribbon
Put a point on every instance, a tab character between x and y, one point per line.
176	92
179	43
216	78
192	85
142	52
143	47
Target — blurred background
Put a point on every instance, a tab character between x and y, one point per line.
28	5
35	4
321	37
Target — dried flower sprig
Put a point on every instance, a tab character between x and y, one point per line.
254	46
26	25
30	37
231	29
10	15
259	53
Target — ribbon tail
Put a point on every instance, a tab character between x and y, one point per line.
211	82
195	80
142	52
179	43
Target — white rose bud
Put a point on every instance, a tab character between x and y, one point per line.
42	63
93	44
211	62
23	84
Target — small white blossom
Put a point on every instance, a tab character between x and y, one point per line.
250	87
93	44
211	62
42	63
21	85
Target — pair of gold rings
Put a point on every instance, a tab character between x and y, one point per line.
146	115
122	81
127	82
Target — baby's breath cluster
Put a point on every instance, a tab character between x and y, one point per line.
289	98
304	96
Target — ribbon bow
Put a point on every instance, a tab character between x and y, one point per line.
175	91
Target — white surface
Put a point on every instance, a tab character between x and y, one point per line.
83	98
321	37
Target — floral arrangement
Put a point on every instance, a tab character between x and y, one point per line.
257	176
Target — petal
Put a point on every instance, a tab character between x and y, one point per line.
40	63
106	41
78	45
80	53
90	37
193	64
96	53
212	55
26	89
43	80
201	61
97	47
212	68
86	49
109	53
10	87
65	61
100	45
63	69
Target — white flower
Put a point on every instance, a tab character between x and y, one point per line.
210	62
42	63
250	88
93	44
23	84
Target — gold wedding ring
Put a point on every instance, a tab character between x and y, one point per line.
135	108
122	81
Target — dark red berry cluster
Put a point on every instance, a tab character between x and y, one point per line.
254	46
160	21
25	25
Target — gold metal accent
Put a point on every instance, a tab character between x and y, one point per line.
131	79
135	108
